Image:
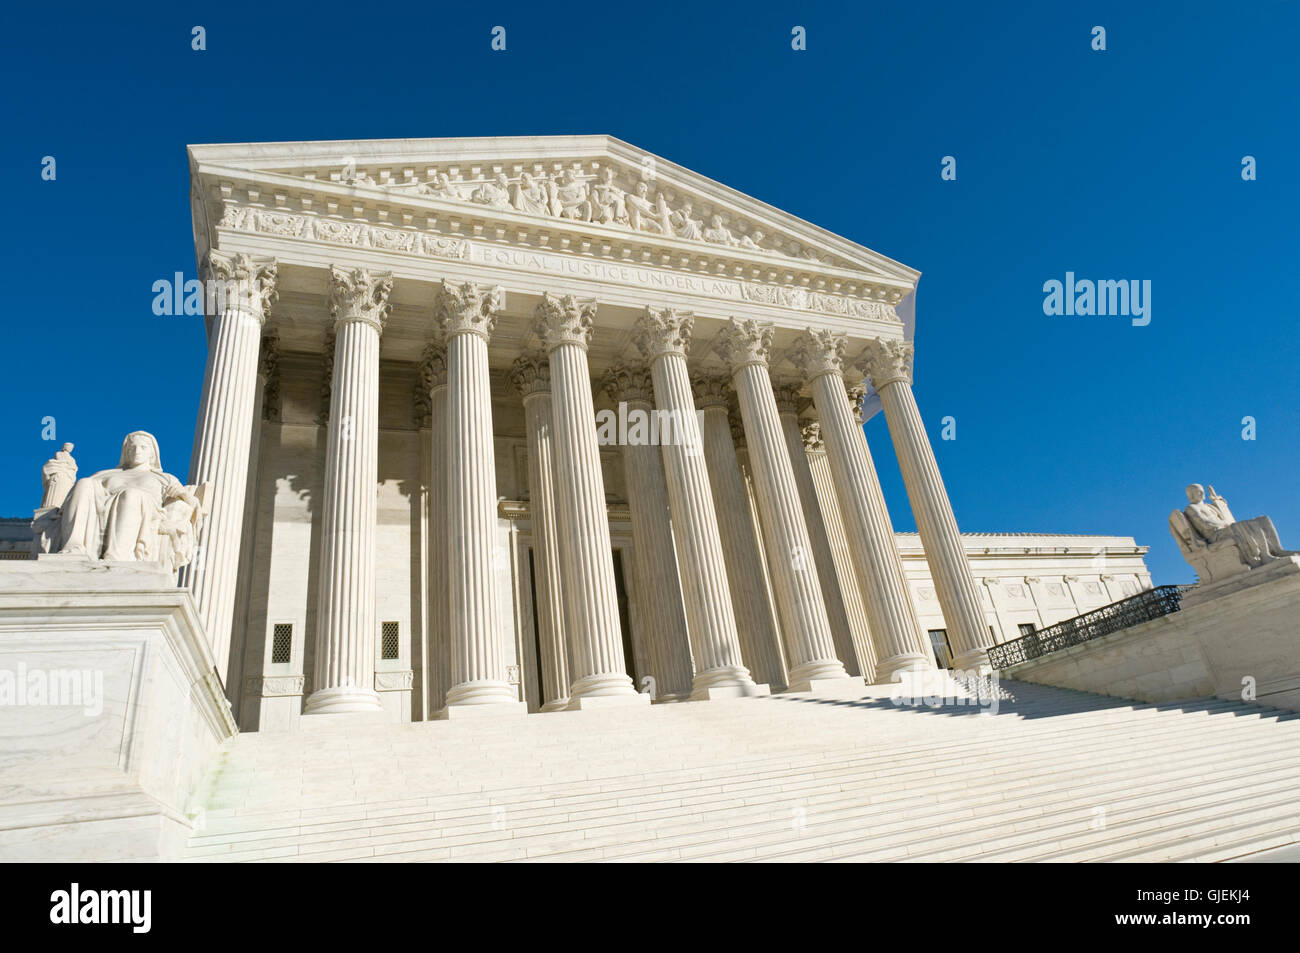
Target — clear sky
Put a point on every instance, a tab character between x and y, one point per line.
1122	164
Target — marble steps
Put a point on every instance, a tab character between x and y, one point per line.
927	754
904	779
761	800
908	823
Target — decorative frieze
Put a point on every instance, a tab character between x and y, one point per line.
394	681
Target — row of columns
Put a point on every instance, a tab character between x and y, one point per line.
688	501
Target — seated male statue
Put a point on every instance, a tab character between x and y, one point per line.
1205	529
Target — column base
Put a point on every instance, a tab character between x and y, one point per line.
334	701
330	721
590	702
730	682
559	704
844	687
817	670
719	692
912	662
975	660
465	712
483	692
602	685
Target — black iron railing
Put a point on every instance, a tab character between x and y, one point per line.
1146	605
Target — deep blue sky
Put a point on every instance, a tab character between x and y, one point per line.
1117	164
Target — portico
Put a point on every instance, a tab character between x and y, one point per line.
433	526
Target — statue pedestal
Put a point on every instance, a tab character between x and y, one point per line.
110	708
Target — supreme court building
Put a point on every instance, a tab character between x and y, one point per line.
530	424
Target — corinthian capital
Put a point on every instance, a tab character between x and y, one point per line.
887	361
629	383
358	294
787	396
812	437
244	283
531	374
467	309
855	393
818	351
663	331
711	390
741	343
565	320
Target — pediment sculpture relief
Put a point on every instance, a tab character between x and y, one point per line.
603	197
1217	544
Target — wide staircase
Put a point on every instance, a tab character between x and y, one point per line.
1054	775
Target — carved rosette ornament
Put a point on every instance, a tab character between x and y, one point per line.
249	282
629	383
468	309
887	361
565	320
531	375
818	351
812	437
662	331
741	343
358	294
711	390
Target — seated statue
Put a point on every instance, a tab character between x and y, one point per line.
135	512
1216	543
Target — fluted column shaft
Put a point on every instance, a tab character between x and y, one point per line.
345	637
889	366
590	597
719	669
809	646
477	668
222	443
740	543
434	371
658	585
531	377
849	587
836	613
890	612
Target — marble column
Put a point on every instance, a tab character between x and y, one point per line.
787	405
223	439
657	581
595	633
891	615
433	378
810	648
345	613
889	366
531	379
849	587
740	542
663	337
466	315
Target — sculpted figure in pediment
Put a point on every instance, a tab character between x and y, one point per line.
752	241
439	187
530	196
718	233
570	198
608	200
493	194
644	215
683	225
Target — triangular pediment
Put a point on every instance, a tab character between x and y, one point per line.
587	190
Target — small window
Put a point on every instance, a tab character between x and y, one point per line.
281	643
388	644
1027	628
